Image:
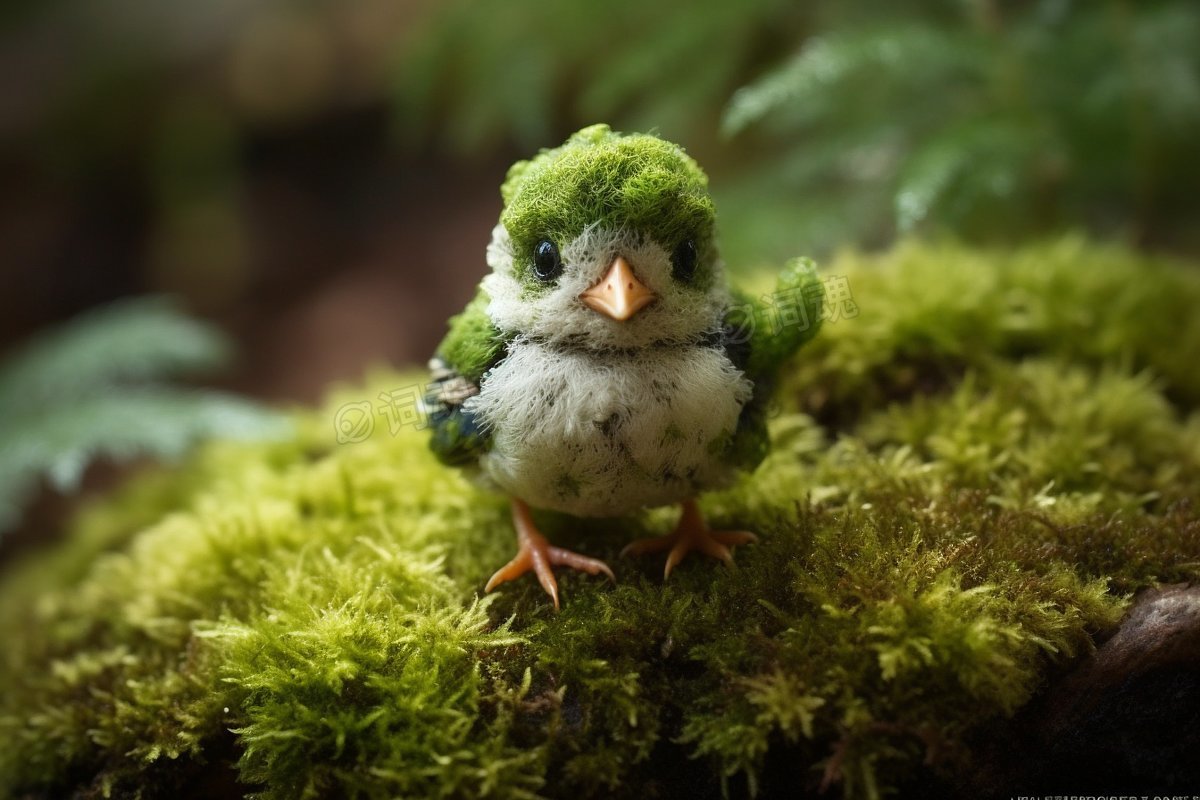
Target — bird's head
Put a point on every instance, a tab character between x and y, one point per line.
606	242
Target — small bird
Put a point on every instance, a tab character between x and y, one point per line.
604	365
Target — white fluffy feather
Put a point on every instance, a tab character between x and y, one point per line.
595	434
596	417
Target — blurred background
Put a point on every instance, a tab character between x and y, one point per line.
316	181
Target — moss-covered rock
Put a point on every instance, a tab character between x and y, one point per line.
975	466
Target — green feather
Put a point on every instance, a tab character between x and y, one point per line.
473	344
471	347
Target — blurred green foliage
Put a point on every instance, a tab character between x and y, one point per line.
97	388
821	124
990	120
519	72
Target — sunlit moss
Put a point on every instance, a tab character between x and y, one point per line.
1002	447
926	314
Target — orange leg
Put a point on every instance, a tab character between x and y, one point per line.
536	554
692	533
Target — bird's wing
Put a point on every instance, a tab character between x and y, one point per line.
472	346
759	337
785	319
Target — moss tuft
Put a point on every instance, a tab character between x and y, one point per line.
924	315
1002	447
600	176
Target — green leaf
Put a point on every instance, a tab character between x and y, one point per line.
134	340
60	441
916	54
90	389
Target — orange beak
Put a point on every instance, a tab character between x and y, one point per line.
619	294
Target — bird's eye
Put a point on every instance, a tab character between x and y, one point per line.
547	264
683	262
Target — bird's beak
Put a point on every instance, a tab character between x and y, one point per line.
619	294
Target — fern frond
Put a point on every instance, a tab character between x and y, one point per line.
92	389
915	54
134	340
60	441
1003	121
962	166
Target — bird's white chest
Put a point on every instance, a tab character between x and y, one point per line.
604	435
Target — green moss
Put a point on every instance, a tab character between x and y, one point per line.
924	315
599	176
1002	447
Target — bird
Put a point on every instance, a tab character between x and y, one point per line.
605	365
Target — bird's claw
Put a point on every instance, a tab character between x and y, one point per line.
692	533
536	554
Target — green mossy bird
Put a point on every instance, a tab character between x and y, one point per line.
604	365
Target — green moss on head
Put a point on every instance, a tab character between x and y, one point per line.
305	616
599	177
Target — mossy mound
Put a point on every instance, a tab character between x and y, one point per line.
998	449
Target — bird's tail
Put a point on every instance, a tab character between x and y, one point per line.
786	318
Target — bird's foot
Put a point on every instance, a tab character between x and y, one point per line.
536	554
692	533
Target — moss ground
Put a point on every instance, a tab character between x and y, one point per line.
974	468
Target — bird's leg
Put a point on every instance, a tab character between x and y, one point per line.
692	533
536	554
